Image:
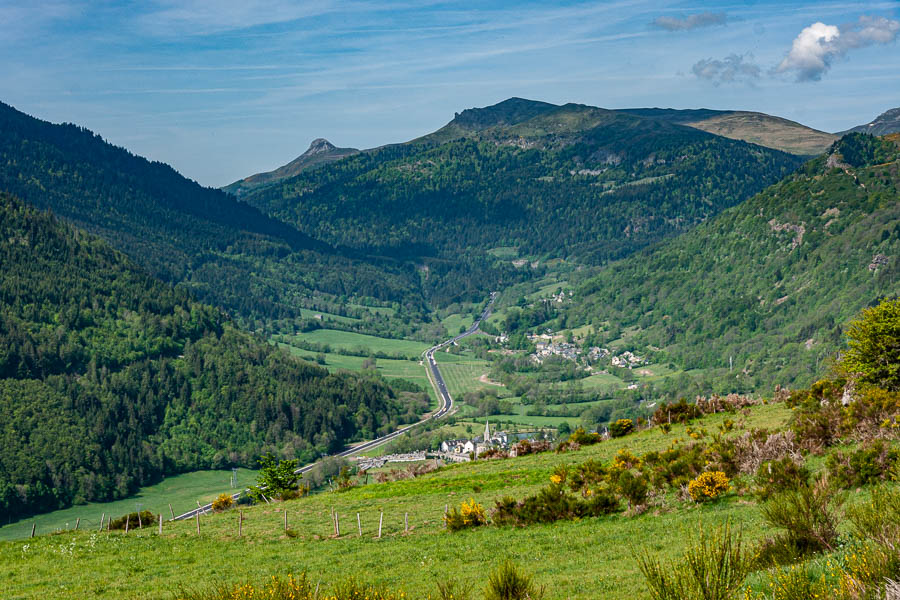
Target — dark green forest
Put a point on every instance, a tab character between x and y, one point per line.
223	251
571	182
110	379
768	284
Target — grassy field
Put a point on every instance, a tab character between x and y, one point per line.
347	340
589	558
181	491
455	323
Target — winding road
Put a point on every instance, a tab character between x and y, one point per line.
437	381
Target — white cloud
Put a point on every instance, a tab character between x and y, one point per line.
704	19
731	69
818	45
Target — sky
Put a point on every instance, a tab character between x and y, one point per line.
223	89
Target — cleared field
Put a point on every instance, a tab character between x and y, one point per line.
307	313
455	323
583	559
347	340
389	368
181	491
504	252
462	376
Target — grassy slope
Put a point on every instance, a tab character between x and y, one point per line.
181	491
581	559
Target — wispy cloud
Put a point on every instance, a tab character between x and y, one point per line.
819	45
694	21
734	68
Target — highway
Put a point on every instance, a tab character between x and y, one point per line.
437	381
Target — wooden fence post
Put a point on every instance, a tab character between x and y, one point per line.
285	519
337	524
140	524
160	523
240	523
33	525
197	514
405	522
101	521
77	521
358	525
380	519
127	519
172	511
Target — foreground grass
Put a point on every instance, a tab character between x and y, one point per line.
590	558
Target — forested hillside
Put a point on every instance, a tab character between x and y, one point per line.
571	182
767	284
225	251
110	379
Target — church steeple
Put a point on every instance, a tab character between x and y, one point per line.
487	430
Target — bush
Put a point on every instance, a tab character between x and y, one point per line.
470	514
507	582
712	568
775	476
808	515
134	520
866	465
223	502
709	486
290	588
879	518
621	428
675	412
583	438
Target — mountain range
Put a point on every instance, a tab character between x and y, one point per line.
709	236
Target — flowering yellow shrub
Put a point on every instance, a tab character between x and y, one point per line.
224	501
709	485
470	514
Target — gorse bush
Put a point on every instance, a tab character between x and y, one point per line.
507	582
809	516
870	464
222	502
291	587
775	476
621	427
469	514
709	486
134	520
879	518
713	567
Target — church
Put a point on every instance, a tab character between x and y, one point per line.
477	445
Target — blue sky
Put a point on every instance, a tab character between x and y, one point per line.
224	89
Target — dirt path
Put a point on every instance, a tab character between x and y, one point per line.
484	379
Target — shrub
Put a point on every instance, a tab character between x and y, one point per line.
675	412
713	567
879	518
621	428
808	515
583	438
709	486
633	487
507	582
134	520
223	502
775	476
866	465
469	514
453	590
758	446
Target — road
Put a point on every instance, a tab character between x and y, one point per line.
437	381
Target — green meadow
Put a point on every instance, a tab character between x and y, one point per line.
587	558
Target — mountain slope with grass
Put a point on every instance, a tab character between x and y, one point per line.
569	182
767	285
756	128
110	379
